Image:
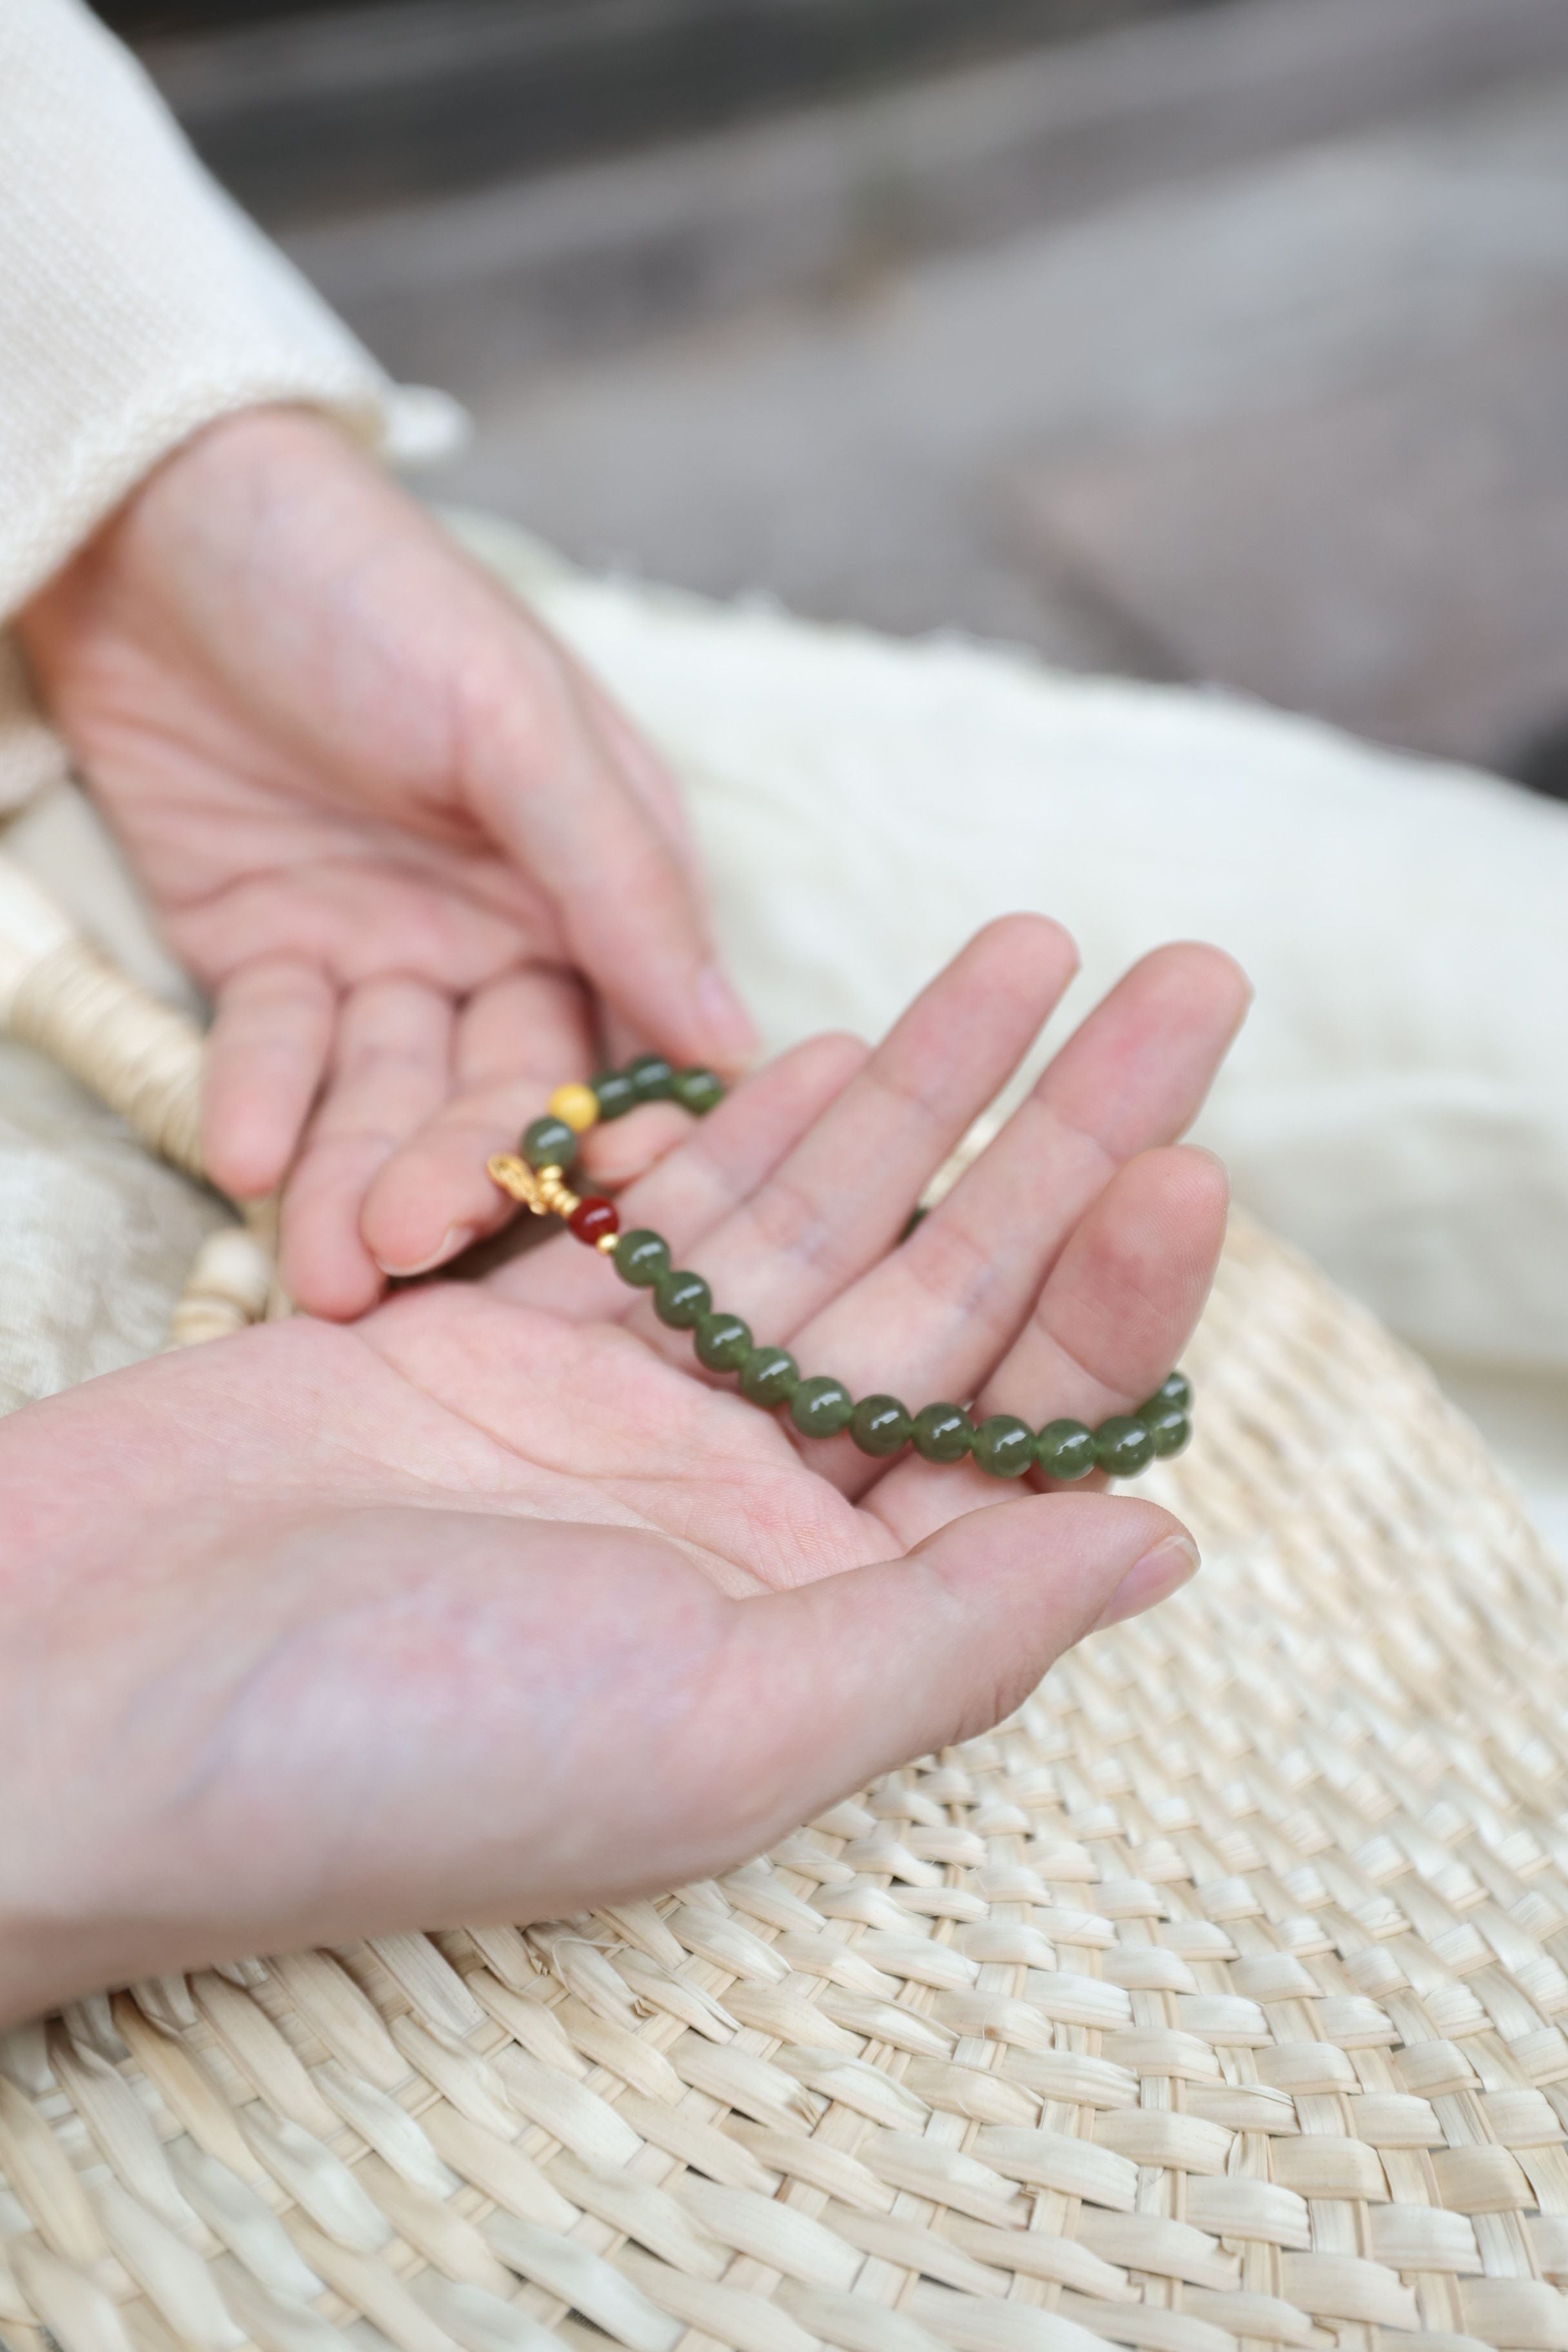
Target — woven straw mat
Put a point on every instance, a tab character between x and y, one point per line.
1212	1999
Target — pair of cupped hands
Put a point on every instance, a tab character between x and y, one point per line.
485	1601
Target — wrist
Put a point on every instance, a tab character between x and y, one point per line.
249	452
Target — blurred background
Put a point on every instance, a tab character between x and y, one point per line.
1223	342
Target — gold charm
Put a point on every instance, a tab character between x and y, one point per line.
542	1190
516	1177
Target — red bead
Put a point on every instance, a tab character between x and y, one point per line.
592	1220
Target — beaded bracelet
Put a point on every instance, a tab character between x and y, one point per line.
1002	1445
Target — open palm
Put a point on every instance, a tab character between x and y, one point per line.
385	818
491	1606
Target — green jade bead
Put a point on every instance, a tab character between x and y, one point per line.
821	1406
1003	1447
722	1340
641	1256
1065	1450
880	1425
942	1432
1175	1389
615	1094
549	1143
653	1079
696	1090
769	1376
681	1299
1123	1445
1168	1427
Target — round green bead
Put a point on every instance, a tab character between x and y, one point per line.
1004	1447
1065	1450
821	1406
769	1376
1168	1427
696	1090
1175	1389
681	1299
549	1143
653	1080
879	1425
942	1432
641	1256
722	1341
615	1094
1123	1445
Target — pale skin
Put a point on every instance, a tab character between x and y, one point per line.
491	1606
417	854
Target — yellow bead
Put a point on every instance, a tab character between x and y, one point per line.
576	1104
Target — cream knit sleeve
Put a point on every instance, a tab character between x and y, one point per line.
136	303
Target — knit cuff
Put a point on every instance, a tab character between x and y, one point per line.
137	303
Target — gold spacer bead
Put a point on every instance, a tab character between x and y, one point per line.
607	1242
554	1190
576	1104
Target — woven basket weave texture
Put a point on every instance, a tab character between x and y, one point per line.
1213	2000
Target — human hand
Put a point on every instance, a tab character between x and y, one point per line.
385	819
492	1606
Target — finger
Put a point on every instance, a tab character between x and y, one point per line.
1117	1310
620	1151
1144	1059
1125	1295
265	1054
844	1194
646	774
515	1041
932	1319
799	1697
649	780
358	917
531	1026
621	1037
832	1683
543	778
725	1158
391	1068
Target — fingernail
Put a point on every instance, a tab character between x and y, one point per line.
732	1037
1157	1575
455	1238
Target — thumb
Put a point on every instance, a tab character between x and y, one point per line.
558	790
836	1682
